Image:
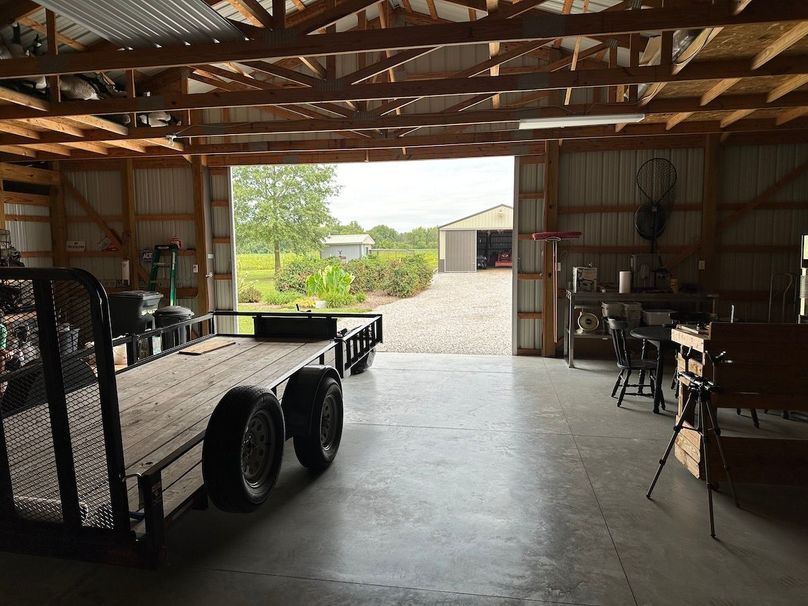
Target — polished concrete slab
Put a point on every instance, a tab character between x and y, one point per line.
478	480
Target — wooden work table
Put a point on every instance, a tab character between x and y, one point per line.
764	368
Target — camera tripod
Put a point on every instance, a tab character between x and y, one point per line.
698	401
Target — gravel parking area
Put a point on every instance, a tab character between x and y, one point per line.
461	313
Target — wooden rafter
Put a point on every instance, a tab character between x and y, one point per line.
575	53
505	137
523	28
253	11
389	90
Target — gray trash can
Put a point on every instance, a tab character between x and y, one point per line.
168	316
131	311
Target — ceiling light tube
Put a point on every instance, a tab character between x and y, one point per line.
564	121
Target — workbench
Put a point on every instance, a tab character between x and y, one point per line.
764	368
580	300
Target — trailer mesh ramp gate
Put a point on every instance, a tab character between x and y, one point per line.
58	451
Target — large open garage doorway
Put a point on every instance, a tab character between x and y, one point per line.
434	255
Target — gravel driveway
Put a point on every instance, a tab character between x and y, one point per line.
461	313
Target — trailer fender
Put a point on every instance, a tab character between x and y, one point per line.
299	395
313	398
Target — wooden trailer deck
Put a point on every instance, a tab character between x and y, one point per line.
168	401
164	403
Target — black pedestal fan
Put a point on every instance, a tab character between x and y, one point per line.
656	179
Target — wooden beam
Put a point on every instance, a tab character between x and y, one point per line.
42	29
132	250
273	69
415	89
791	114
279	14
735	116
576	51
783	42
253	11
718	89
789	85
58	224
526	27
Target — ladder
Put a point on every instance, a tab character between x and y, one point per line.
171	265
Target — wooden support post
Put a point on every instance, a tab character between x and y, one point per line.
615	92
279	14
131	251
53	50
2	206
131	93
202	226
709	213
550	214
666	49
57	221
635	48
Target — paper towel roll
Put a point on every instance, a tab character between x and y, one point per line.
624	284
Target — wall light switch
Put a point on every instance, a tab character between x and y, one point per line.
701	264
195	268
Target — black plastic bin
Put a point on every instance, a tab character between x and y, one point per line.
168	316
131	311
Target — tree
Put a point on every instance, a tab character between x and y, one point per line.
421	237
352	228
384	236
285	207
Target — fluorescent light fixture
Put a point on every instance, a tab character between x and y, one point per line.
564	121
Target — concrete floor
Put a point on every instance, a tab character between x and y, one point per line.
474	480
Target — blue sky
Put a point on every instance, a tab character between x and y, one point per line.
424	193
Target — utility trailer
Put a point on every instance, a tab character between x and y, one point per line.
96	463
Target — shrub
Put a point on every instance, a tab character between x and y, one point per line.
275	297
332	284
294	274
248	292
408	276
369	273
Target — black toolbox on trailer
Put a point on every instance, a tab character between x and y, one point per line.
100	463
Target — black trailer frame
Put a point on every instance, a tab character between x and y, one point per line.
90	515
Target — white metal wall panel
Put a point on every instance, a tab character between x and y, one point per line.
224	290
103	191
609	178
748	171
528	218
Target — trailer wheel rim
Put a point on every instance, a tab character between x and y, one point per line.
328	422
257	449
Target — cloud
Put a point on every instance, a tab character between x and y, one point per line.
404	195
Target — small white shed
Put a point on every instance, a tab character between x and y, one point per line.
346	246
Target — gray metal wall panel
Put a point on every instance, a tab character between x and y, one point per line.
461	251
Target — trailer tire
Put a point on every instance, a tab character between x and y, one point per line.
365	363
314	395
243	449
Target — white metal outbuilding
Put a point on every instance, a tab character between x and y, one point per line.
485	233
346	246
